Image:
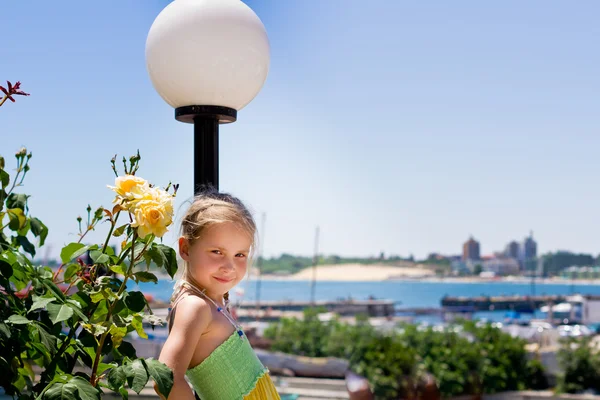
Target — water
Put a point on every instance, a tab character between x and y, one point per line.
406	293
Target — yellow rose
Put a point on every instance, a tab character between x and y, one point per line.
130	188
153	214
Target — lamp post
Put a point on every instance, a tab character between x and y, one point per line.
207	59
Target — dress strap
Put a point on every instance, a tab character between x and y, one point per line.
171	315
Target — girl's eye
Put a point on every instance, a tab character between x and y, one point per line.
217	252
241	255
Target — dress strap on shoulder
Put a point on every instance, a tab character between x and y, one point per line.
191	291
171	315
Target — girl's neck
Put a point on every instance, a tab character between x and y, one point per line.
216	297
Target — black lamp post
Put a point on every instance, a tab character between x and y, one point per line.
206	120
208	59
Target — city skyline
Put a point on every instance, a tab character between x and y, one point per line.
395	127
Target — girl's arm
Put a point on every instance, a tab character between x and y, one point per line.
191	320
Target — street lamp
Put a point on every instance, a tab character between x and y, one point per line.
207	59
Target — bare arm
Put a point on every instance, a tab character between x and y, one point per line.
191	320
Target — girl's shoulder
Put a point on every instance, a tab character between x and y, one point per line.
192	312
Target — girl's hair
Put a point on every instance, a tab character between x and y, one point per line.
210	208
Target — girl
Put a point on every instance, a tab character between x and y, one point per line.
205	343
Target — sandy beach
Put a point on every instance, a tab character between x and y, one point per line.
413	272
356	273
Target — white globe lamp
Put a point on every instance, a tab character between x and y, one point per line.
207	59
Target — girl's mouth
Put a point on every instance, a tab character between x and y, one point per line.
222	280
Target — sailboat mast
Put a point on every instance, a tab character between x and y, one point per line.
259	265
314	271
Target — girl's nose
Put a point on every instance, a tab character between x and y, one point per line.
227	265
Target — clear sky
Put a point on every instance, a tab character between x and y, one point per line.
395	126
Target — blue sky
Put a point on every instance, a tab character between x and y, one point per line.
395	126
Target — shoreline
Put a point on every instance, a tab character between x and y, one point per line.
348	273
468	280
417	273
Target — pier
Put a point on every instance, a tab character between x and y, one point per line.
371	308
525	304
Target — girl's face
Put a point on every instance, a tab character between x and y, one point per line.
218	260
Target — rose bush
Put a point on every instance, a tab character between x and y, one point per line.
63	333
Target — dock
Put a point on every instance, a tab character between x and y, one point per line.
371	308
525	304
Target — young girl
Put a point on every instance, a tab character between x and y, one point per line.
205	343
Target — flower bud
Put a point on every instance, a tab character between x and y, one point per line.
21	153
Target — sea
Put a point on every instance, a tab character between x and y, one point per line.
406	294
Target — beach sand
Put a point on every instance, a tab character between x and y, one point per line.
356	273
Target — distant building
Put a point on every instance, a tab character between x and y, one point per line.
471	250
528	253
512	250
460	267
529	247
501	266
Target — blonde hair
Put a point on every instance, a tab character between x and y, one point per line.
210	208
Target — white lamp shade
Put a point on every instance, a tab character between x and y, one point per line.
207	52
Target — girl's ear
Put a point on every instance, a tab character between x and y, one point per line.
184	248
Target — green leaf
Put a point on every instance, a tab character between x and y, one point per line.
16	200
41	302
4	331
119	231
76	307
116	378
17	320
170	257
82	298
20	383
42	351
44	272
6	270
104	366
136	322
135	301
4	178
97	296
117	269
127	349
162	375
157	256
54	289
3	196
39	230
85	389
103	293
71	251
124	394
17	217
98	257
94	329
138	376
60	391
25	229
59	312
26	245
71	270
48	340
117	333
138	247
100	312
144	276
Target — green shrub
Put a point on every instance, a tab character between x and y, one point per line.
463	358
580	364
